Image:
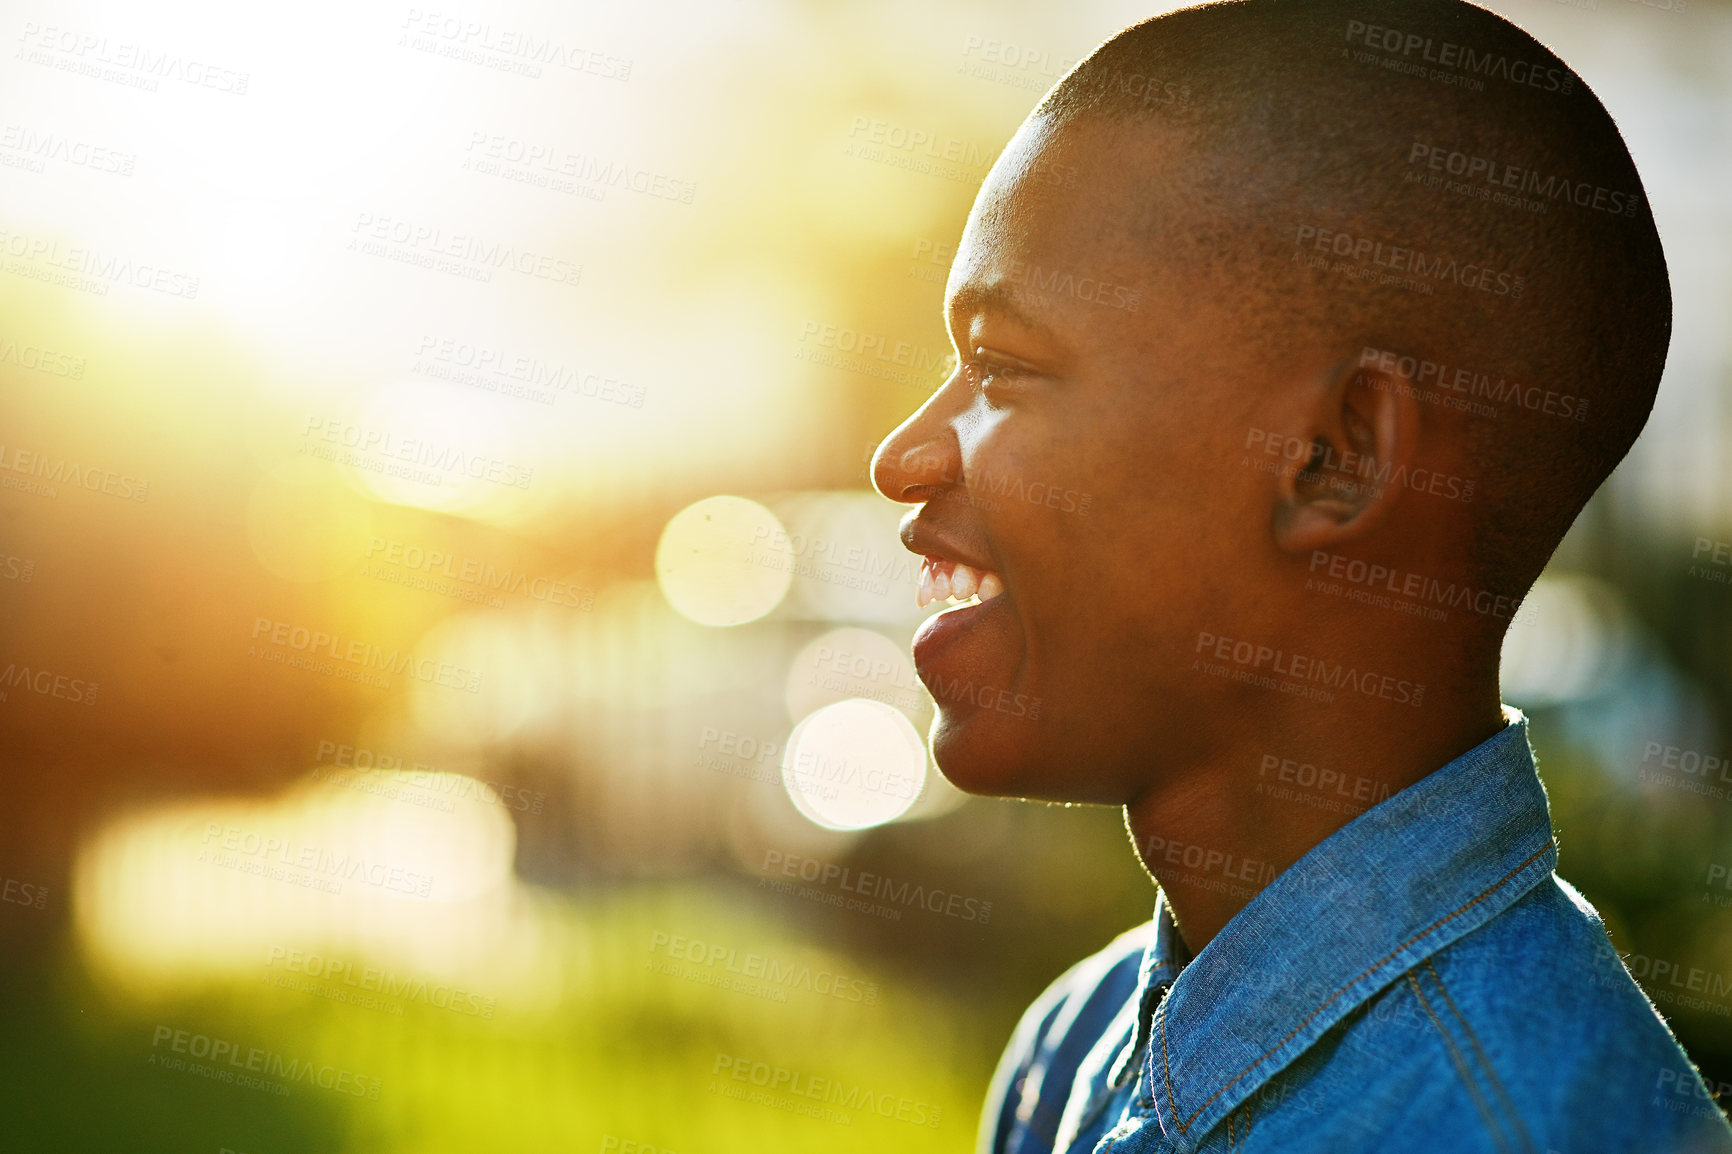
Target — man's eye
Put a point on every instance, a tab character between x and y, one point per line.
991	377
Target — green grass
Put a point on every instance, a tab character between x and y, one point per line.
625	1051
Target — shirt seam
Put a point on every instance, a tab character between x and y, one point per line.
1484	1059
1185	1125
1460	1063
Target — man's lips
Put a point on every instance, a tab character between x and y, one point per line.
976	641
939	633
949	569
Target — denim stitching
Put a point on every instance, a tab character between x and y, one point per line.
1166	1065
1459	1062
1148	1100
1490	1073
1184	1126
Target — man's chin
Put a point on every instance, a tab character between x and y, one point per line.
987	754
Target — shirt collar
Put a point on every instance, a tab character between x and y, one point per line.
1165	956
1111	1062
1392	887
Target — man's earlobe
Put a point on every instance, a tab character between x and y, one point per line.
1364	432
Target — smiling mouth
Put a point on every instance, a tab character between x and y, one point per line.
942	580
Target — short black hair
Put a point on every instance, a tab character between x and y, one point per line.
1436	147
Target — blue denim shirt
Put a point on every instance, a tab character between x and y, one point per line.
1419	981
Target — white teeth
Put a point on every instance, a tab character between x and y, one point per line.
942	580
940	586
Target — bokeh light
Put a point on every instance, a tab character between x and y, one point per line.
414	867
855	764
724	561
855	662
1571	637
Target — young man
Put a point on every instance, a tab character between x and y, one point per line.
1336	314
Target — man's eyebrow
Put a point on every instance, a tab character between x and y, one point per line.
972	299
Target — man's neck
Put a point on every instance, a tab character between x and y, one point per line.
1216	834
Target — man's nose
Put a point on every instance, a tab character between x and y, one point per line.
919	460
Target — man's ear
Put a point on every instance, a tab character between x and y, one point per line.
1363	427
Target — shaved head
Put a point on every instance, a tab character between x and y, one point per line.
1424	179
1283	329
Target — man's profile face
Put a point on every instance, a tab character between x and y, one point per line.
1085	452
